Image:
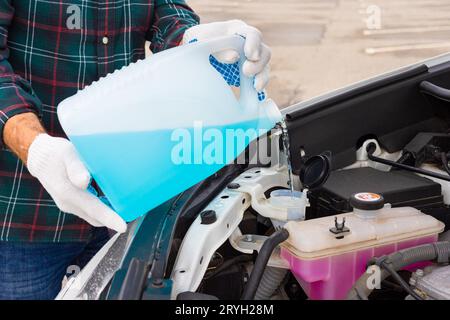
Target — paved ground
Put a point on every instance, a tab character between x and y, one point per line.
320	45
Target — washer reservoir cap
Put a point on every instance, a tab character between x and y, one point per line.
367	201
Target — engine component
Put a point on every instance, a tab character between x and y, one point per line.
261	262
434	285
397	187
270	282
202	240
228	284
425	147
326	264
386	265
256	185
402	166
439	252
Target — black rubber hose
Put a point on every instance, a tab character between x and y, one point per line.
426	252
270	282
405	167
435	91
439	252
261	262
400	280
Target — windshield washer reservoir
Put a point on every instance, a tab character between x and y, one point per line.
292	201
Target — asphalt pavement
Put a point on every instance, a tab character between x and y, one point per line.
321	45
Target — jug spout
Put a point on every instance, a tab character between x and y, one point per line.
271	111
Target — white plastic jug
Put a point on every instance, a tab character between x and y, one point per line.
151	130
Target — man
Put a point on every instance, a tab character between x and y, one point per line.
48	51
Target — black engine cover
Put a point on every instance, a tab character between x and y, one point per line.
399	188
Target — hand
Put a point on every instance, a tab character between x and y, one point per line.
257	53
55	163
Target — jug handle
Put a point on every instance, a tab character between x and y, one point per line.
248	94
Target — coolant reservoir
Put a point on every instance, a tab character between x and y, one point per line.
328	255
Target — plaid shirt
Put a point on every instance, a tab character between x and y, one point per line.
49	49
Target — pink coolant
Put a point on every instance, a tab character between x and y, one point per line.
332	277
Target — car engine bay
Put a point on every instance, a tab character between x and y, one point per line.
371	185
249	210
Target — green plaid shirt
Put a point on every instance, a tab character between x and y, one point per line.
49	49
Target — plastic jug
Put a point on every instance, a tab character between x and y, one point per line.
158	126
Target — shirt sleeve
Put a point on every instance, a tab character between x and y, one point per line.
16	94
171	19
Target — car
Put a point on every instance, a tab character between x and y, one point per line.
377	147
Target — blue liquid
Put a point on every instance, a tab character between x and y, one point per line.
137	172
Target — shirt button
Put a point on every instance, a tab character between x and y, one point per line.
105	40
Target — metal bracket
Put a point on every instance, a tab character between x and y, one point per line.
339	229
202	240
249	242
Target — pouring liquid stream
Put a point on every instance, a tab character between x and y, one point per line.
287	151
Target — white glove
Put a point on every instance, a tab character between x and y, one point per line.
55	163
257	53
